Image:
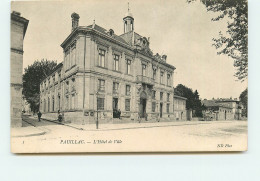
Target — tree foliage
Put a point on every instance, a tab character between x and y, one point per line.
193	99
244	100
32	77
235	42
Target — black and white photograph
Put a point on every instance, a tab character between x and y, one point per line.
129	76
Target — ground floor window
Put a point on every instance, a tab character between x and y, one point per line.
67	102
153	106
100	103
53	103
73	101
168	108
127	105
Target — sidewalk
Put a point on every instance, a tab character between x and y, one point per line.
26	131
108	127
134	125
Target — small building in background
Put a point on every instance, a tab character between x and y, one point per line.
180	112
18	29
235	104
218	109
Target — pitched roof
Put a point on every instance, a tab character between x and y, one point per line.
209	103
104	31
176	96
213	103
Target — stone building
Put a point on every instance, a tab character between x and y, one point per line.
180	108
107	72
217	111
18	30
235	104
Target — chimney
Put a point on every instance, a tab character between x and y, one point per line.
164	57
75	21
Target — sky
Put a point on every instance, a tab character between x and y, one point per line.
180	30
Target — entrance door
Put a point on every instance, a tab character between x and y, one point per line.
115	103
161	106
142	107
115	108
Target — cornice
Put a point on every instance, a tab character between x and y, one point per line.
15	50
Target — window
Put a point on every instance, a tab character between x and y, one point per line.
101	85
53	103
73	55
67	87
161	96
153	106
115	87
168	108
101	58
73	101
161	78
44	105
48	104
127	90
153	94
127	105
128	66
168	97
58	102
67	59
73	85
168	79
144	70
116	62
59	79
67	102
100	103
53	79
154	74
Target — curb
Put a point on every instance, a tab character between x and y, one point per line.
29	135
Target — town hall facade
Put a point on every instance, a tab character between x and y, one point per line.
102	73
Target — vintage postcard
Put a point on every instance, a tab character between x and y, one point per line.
137	76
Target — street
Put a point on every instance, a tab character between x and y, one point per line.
134	137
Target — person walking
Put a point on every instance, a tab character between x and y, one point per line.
119	113
59	116
39	116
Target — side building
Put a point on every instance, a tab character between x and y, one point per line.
217	111
18	30
180	112
102	73
235	104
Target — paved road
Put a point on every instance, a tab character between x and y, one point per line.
195	136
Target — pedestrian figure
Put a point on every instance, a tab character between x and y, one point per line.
145	116
139	117
119	113
39	116
59	116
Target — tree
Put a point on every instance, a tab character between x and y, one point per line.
193	100
197	104
235	42
186	92
32	78
244	99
